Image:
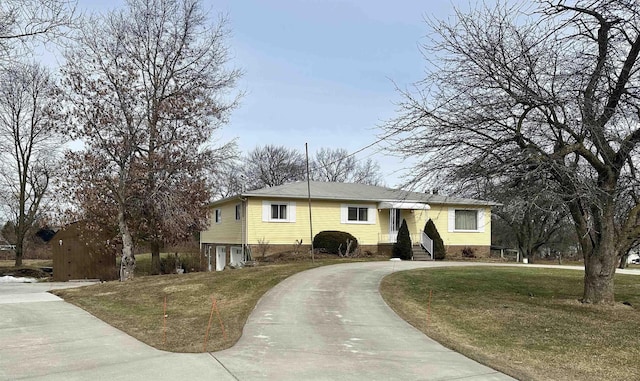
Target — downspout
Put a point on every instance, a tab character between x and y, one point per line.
243	227
306	150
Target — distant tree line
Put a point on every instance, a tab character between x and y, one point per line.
271	165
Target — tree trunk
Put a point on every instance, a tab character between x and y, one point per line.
599	268
623	261
128	263
598	279
20	230
599	242
19	252
155	258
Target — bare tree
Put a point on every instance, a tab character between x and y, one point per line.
23	21
533	213
28	146
228	179
271	166
146	88
338	165
553	93
227	176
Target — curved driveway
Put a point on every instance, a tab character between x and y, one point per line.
331	323
328	323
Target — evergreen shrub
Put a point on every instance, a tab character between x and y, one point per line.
439	252
402	246
330	240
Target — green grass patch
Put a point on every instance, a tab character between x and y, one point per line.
31	268
136	307
27	262
526	322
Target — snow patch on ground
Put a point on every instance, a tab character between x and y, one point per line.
13	279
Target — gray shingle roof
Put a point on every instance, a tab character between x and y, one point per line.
357	192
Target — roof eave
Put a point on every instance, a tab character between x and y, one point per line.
330	198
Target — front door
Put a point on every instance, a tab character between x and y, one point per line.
221	257
394	224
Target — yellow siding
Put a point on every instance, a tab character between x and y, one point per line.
327	216
440	216
415	222
228	230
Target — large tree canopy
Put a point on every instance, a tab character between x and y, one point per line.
550	93
146	87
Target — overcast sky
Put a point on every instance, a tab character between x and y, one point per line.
321	72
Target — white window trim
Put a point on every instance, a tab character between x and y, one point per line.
238	212
452	220
217	216
371	214
291	211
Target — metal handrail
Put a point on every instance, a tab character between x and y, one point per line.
427	243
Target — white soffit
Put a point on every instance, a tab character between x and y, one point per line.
403	205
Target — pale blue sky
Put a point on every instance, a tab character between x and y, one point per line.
321	71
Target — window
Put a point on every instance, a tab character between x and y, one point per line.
466	220
355	213
218	216
278	211
238	212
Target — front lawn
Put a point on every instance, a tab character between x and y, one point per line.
526	322
137	306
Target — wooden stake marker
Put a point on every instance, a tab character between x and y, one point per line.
164	322
206	335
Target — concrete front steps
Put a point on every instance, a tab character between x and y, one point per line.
419	254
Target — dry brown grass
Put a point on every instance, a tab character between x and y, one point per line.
27	262
136	307
525	322
30	268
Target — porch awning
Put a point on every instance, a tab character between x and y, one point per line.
403	205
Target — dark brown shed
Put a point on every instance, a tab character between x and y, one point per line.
83	253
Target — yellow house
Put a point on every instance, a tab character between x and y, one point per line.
273	219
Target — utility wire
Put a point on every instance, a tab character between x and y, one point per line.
377	141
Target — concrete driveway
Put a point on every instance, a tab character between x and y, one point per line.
45	338
331	323
328	323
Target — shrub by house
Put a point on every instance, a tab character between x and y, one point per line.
333	241
431	231
402	246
